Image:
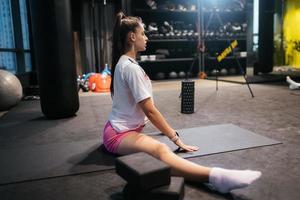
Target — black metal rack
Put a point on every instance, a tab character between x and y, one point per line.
221	23
179	44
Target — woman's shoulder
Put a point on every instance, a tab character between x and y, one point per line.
129	64
123	61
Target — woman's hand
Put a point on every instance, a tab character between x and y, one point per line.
185	147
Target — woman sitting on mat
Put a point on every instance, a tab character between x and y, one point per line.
133	106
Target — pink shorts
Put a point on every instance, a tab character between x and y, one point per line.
112	138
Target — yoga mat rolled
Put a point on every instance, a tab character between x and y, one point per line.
54	57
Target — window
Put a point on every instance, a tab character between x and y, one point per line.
255	24
14	36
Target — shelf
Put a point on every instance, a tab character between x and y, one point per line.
225	12
216	38
172	40
165	11
226	58
168	60
224	39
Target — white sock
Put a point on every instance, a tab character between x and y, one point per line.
293	85
224	180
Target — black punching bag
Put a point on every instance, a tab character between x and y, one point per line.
54	57
265	37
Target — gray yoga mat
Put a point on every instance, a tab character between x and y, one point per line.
219	139
61	159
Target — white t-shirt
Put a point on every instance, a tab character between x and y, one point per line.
131	85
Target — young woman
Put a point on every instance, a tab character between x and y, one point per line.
133	106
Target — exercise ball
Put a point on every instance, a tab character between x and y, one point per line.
10	90
172	74
181	74
160	76
99	82
232	71
202	75
213	72
223	72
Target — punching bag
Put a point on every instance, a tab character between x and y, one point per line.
265	37
54	57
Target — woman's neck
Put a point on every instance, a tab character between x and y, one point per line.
131	53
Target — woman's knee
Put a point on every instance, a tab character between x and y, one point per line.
162	150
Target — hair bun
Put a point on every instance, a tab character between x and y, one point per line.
121	15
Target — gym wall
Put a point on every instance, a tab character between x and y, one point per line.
291	33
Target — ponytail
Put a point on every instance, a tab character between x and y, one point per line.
123	25
117	47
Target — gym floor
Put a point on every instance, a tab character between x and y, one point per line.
274	112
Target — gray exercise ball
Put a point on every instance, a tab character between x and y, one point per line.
223	72
160	76
213	72
181	74
232	71
172	74
10	90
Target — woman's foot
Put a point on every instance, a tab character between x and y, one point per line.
292	84
224	180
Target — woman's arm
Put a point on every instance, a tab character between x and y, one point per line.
161	124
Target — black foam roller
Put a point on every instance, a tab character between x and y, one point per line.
54	57
187	97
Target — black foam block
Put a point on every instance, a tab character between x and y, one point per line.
143	171
173	191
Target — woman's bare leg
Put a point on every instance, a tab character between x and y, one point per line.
222	180
137	142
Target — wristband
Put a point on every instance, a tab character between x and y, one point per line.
175	138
